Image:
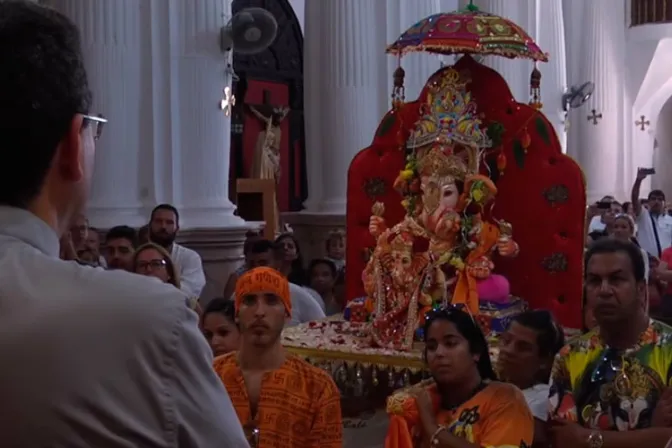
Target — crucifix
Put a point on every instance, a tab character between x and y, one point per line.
643	123
228	101
594	117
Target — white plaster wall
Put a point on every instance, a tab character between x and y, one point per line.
299	7
662	156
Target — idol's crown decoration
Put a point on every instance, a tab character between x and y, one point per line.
449	116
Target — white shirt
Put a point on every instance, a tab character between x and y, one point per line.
537	400
596	225
96	358
190	265
304	306
647	238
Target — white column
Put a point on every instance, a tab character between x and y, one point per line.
342	92
574	42
516	72
401	15
111	34
600	145
551	39
201	135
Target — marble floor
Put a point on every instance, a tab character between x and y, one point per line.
368	431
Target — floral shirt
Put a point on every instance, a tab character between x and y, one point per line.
608	389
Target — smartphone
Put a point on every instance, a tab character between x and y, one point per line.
648	171
604	205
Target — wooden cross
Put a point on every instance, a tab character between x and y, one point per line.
228	101
266	108
643	123
594	117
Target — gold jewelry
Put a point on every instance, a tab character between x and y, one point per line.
434	440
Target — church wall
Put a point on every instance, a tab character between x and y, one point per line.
299	7
662	156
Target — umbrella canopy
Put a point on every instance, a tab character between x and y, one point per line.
472	32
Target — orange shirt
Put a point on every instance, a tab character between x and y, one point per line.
496	417
299	404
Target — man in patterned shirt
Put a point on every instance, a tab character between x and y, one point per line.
281	400
610	387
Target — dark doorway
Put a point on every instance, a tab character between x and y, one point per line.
272	79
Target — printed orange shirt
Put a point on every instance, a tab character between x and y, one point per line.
496	417
299	404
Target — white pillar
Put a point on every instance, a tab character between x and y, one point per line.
551	39
201	133
401	15
342	92
574	42
600	145
111	34
516	72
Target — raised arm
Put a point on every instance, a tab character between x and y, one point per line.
634	194
258	114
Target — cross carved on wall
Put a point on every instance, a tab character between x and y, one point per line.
594	117
643	123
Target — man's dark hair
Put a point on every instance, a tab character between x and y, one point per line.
656	194
122	232
43	85
612	246
263	246
168	207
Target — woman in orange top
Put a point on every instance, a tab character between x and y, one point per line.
462	406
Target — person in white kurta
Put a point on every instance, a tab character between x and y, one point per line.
163	228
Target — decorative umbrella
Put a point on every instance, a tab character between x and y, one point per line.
470	31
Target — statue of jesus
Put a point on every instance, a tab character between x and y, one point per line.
266	163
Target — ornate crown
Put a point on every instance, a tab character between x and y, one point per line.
448	115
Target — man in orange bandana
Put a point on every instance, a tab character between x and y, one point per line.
281	400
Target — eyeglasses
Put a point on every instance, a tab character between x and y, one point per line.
151	264
96	123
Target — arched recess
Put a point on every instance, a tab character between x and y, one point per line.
644	141
271	79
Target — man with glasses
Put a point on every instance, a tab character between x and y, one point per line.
610	387
91	358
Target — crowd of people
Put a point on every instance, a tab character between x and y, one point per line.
96	355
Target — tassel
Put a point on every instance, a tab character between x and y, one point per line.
535	88
501	162
525	140
399	91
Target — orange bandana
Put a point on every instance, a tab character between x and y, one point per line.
263	280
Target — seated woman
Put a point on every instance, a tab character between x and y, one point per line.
322	275
462	406
526	353
154	261
219	327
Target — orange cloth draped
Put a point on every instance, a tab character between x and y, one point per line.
466	286
299	405
263	280
497	417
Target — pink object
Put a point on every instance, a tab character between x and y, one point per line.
495	288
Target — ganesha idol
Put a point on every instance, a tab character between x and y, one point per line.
442	251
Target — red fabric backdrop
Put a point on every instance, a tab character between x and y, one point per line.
252	126
541	193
